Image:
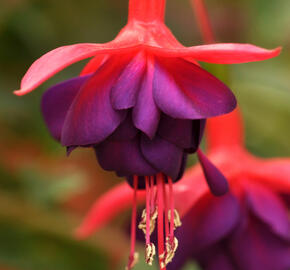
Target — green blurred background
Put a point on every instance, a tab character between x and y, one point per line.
43	194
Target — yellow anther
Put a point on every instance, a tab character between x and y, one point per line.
161	260
171	247
177	221
150	253
153	217
133	260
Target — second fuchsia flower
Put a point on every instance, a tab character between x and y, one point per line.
141	102
248	228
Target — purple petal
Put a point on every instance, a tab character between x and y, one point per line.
125	89
184	133
182	167
124	157
258	248
177	131
219	261
270	209
216	181
56	102
182	256
198	127
184	90
125	131
130	181
162	155
209	221
146	114
91	118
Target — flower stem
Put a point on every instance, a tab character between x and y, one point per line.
202	17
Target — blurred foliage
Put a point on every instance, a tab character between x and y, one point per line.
42	193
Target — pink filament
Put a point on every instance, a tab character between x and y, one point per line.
171	201
160	221
133	221
148	212
165	209
153	197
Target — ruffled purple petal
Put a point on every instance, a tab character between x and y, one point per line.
182	167
146	114
270	209
91	118
125	89
56	101
125	131
258	248
198	127
219	261
216	181
162	155
209	221
124	157
184	90
184	252
186	134
176	131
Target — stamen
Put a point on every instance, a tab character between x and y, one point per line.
166	210
147	223
142	224
171	247
153	195
160	223
150	253
177	221
133	260
133	257
171	199
147	211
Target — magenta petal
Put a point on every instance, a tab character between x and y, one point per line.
184	90
56	101
162	155
125	89
270	209
216	181
124	157
91	118
146	114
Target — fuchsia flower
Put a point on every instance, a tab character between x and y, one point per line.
141	102
246	229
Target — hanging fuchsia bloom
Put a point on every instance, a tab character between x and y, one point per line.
248	228
141	102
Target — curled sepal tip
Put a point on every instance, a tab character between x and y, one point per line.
216	181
